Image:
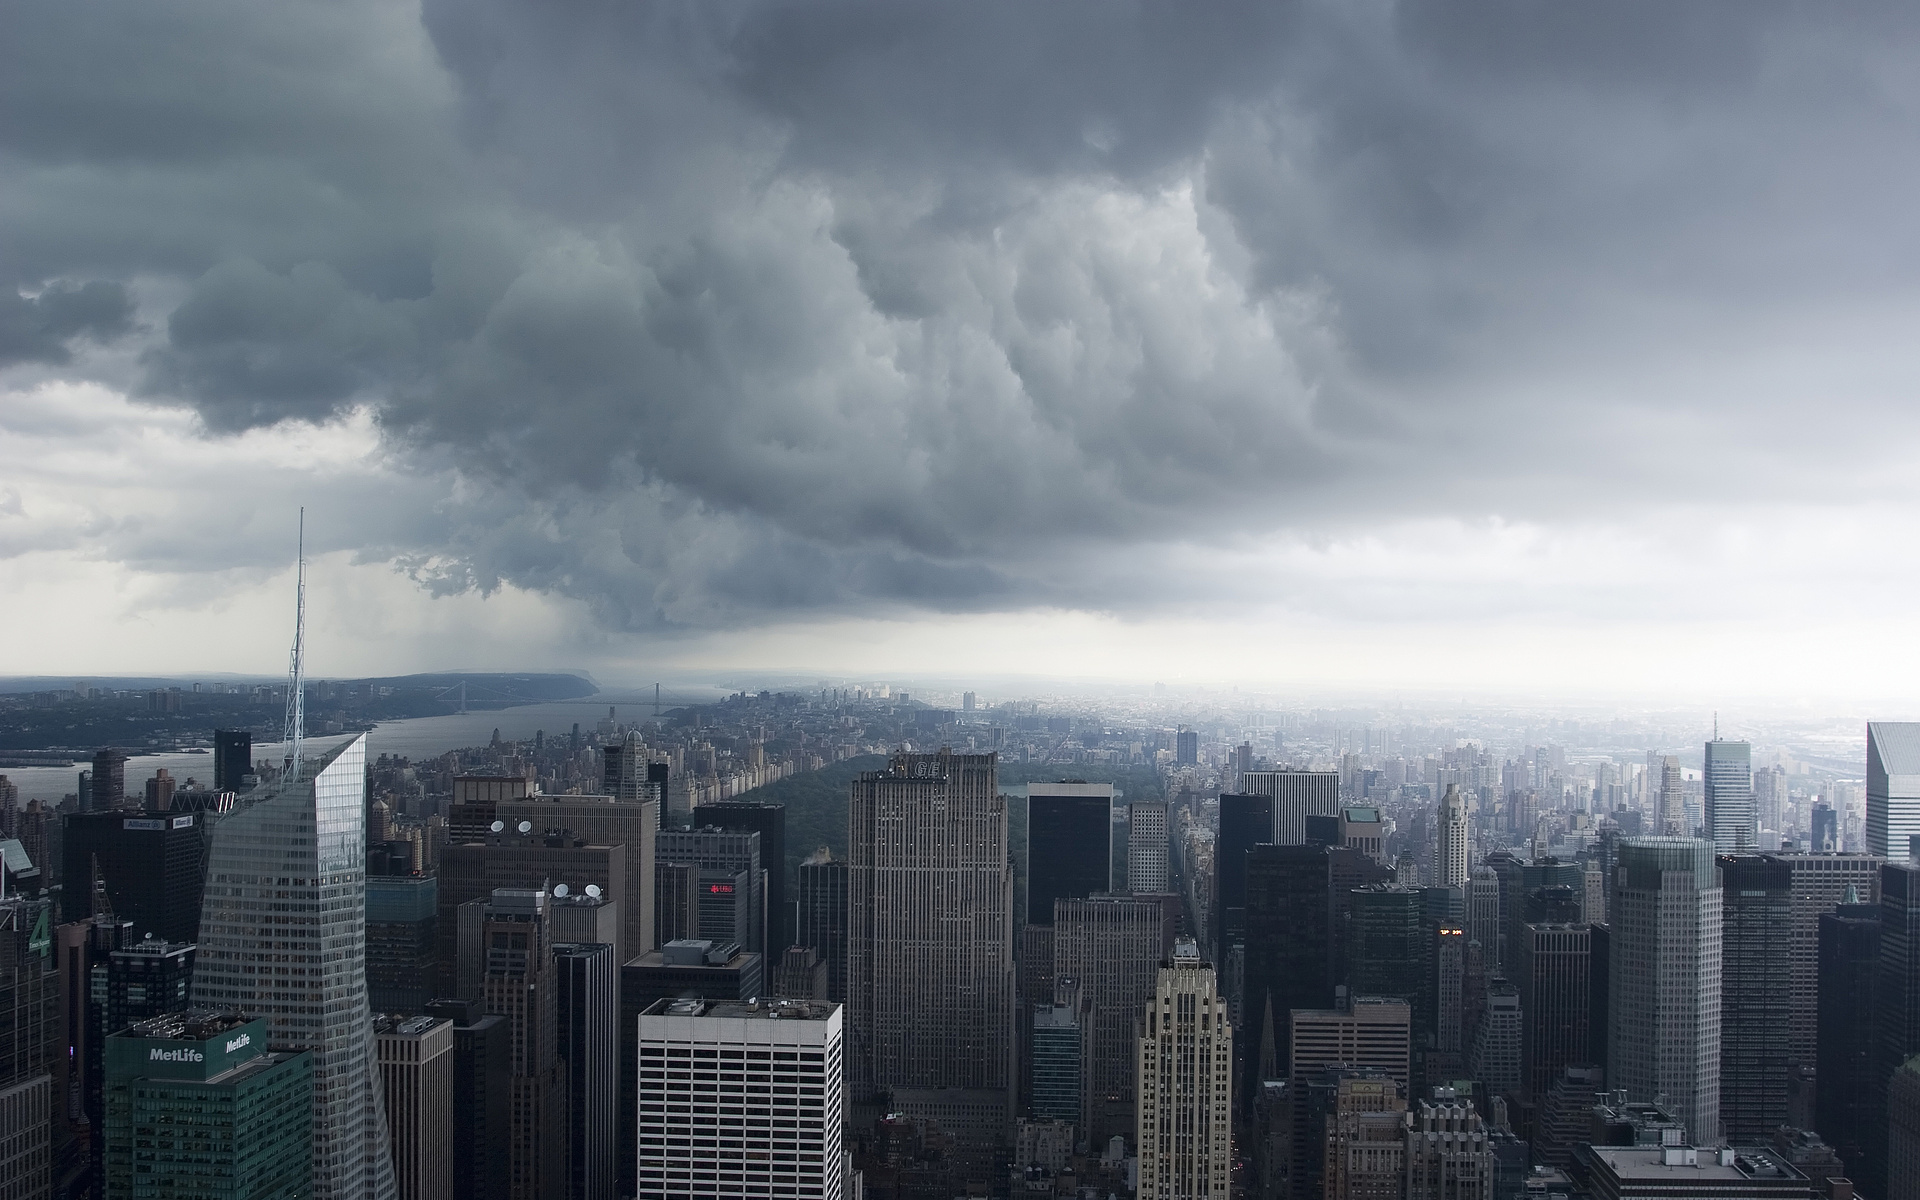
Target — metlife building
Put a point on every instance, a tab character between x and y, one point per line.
197	1105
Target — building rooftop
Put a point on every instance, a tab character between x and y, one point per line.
405	1026
194	1025
1681	1166
767	1007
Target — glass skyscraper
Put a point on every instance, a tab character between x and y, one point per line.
1729	797
1893	786
283	936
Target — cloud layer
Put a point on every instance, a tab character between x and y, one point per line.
706	317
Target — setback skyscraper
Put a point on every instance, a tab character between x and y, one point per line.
1664	980
1450	866
1729	797
1184	1133
1893	786
286	882
930	952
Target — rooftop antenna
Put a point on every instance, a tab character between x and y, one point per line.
297	686
1716	724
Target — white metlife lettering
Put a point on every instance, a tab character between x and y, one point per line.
236	1043
158	1055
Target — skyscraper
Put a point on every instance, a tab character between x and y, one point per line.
1059	1063
1729	797
1366	1144
585	979
820	885
519	983
232	759
1671	820
598	822
286	881
1756	1012
1553	968
1187	748
930	951
1296	795
151	866
1664	978
1288	952
482	1072
1246	820
1448	1155
770	1124
1148	848
416	1078
1844	1078
400	942
1450	868
513	858
1896	1011
1184	1133
109	789
770	822
1069	844
201	1105
727	861
1893	786
1111	947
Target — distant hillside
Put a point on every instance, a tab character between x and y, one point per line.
491	688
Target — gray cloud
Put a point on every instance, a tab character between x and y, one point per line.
708	313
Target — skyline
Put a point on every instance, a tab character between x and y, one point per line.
1351	347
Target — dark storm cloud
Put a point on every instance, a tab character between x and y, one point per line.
723	311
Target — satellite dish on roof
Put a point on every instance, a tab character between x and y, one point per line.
499	825
560	891
526	827
593	890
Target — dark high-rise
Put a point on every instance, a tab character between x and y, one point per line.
1756	1010
1896	998
770	822
482	1077
820	885
152	866
727	860
512	859
1186	748
401	942
135	983
1246	821
109	789
232	758
1844	1078
1389	950
1287	950
1553	969
1069	844
588	1038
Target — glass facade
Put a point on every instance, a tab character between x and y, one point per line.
1069	845
283	935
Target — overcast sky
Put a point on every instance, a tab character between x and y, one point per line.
1485	343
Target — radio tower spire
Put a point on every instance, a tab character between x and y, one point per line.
297	683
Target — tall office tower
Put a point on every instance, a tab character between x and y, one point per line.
519	983
1756	1012
1149	850
1296	795
1553	967
1450	867
1770	798
584	917
1184	1132
232	759
770	822
416	1080
1671	817
1664	979
309	831
800	975
728	861
1498	1057
769	1124
1058	1061
401	942
676	902
588	1012
1389	951
1844	1075
150	867
1069	845
1896	1011
136	982
1823	829
197	1105
1366	1142
1483	913
32	1051
1246	820
820	885
1364	1032
1288	963
930	951
1186	748
512	858
1729	797
600	823
1449	982
1448	1154
1893	786
1903	1133
1821	882
967	700
109	790
159	791
482	1075
624	771
1111	947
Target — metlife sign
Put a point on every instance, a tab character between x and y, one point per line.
170	1058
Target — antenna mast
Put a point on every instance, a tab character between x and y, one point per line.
297	671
